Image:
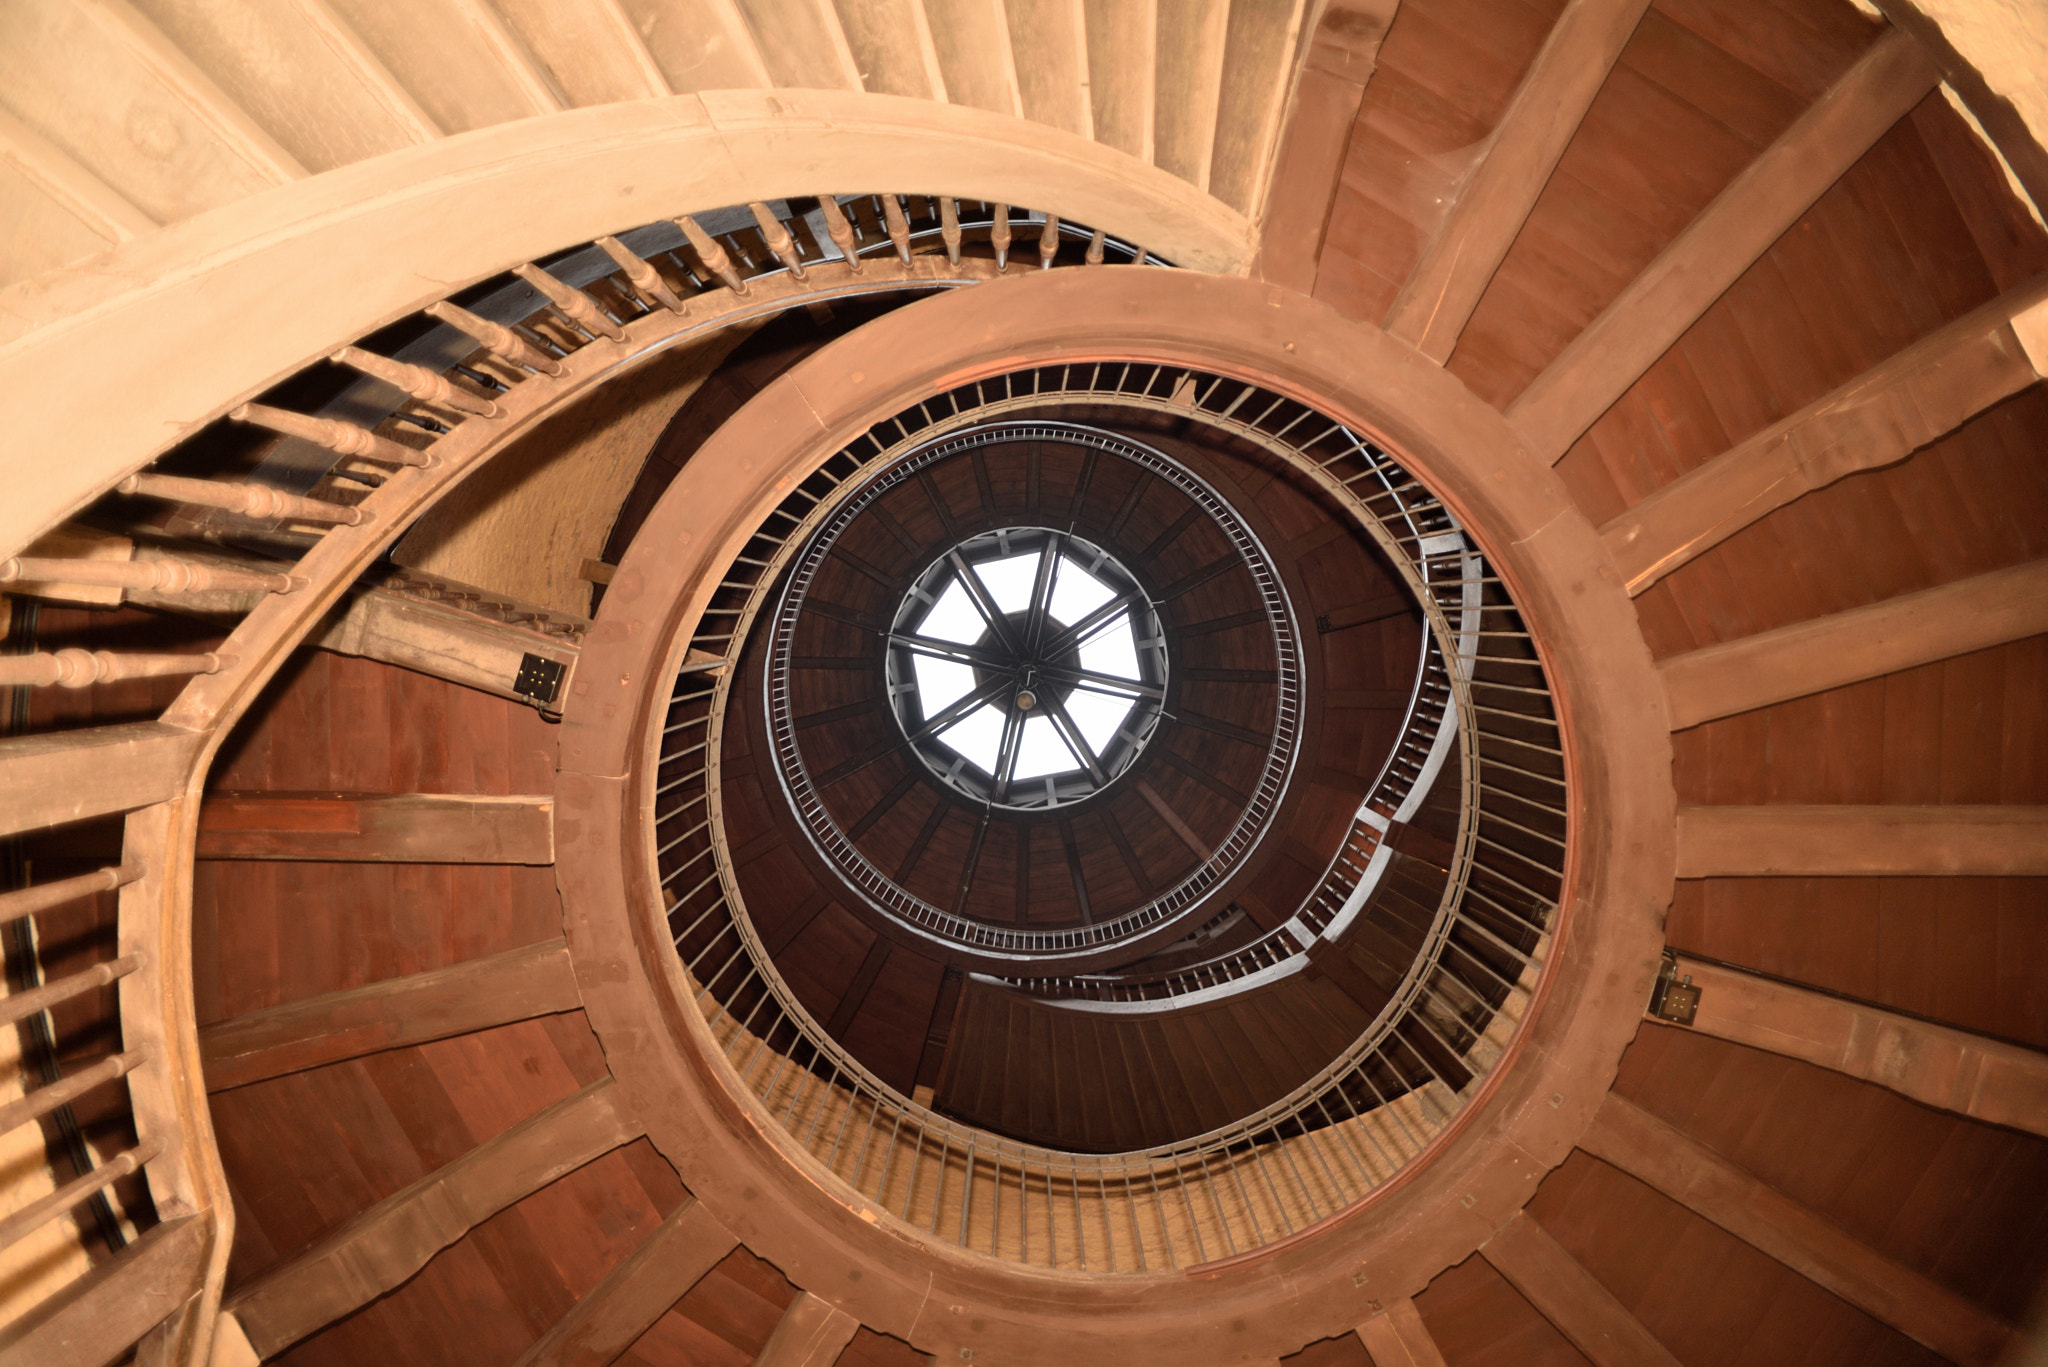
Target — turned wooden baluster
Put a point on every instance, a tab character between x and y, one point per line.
999	237
1137	255
163	576
416	380
949	228
578	307
250	500
343	438
641	275
1048	242
840	231
495	338
899	227
74	667
778	239
1094	256
712	254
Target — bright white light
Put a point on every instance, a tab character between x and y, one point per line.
1042	750
1113	650
979	737
1076	593
1097	716
940	683
1010	581
954	617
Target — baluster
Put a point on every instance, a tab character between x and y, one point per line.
1094	256
416	380
713	255
899	227
641	275
343	438
44	1100
1048	242
29	901
164	576
949	228
496	338
840	231
1137	255
22	1005
74	1193
999	237
77	668
578	307
250	500
778	239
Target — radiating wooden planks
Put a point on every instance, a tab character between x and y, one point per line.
399	828
636	1293
1397	1337
99	1317
1569	1297
811	1333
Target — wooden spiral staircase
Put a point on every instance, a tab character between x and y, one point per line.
318	1021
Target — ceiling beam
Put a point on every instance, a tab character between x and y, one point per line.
1397	1337
1985	1079
402	828
856	993
1842	648
811	1333
1801	1238
534	980
1729	235
98	1317
383	1247
1866	840
599	1328
1914	397
1571	1298
1514	164
446	642
59	776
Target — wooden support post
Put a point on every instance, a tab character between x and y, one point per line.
1739	226
1879	418
60	776
98	1318
1567	1295
447	643
404	828
534	980
383	1247
1857	841
1709	1185
811	1333
1863	643
1397	1337
1493	202
636	1293
1985	1079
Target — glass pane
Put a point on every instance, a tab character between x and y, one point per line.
940	683
1097	716
1009	581
954	617
1042	751
1076	593
1113	650
978	736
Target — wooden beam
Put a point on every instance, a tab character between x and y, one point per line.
636	1293
1863	643
1397	1337
856	992
1799	1237
1788	841
1985	1079
1491	204
387	1244
811	1333
60	776
1912	398
82	193
443	641
98	1318
534	980
403	828
1316	138
1739	226
1569	1296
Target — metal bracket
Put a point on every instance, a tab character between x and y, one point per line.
539	680
1673	998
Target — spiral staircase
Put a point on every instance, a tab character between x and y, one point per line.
498	869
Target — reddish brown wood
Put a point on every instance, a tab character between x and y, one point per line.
811	1333
404	828
1848	840
1658	1153
636	1293
1568	1296
1397	1337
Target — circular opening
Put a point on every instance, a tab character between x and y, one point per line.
1027	668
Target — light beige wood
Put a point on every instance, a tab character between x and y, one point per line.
21	1005
361	65
76	667
97	1318
158	576
1863	643
1945	841
42	233
1703	1181
801	43
1882	416
1188	85
811	1333
1397	1337
1261	63
55	777
612	14
406	828
98	205
1985	1079
699	44
891	43
972	40
442	58
1493	201
589	50
385	1245
1741	223
1567	1295
442	641
636	1293
83	549
18	1224
519	984
509	50
27	901
1050	40
1123	73
46	1099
